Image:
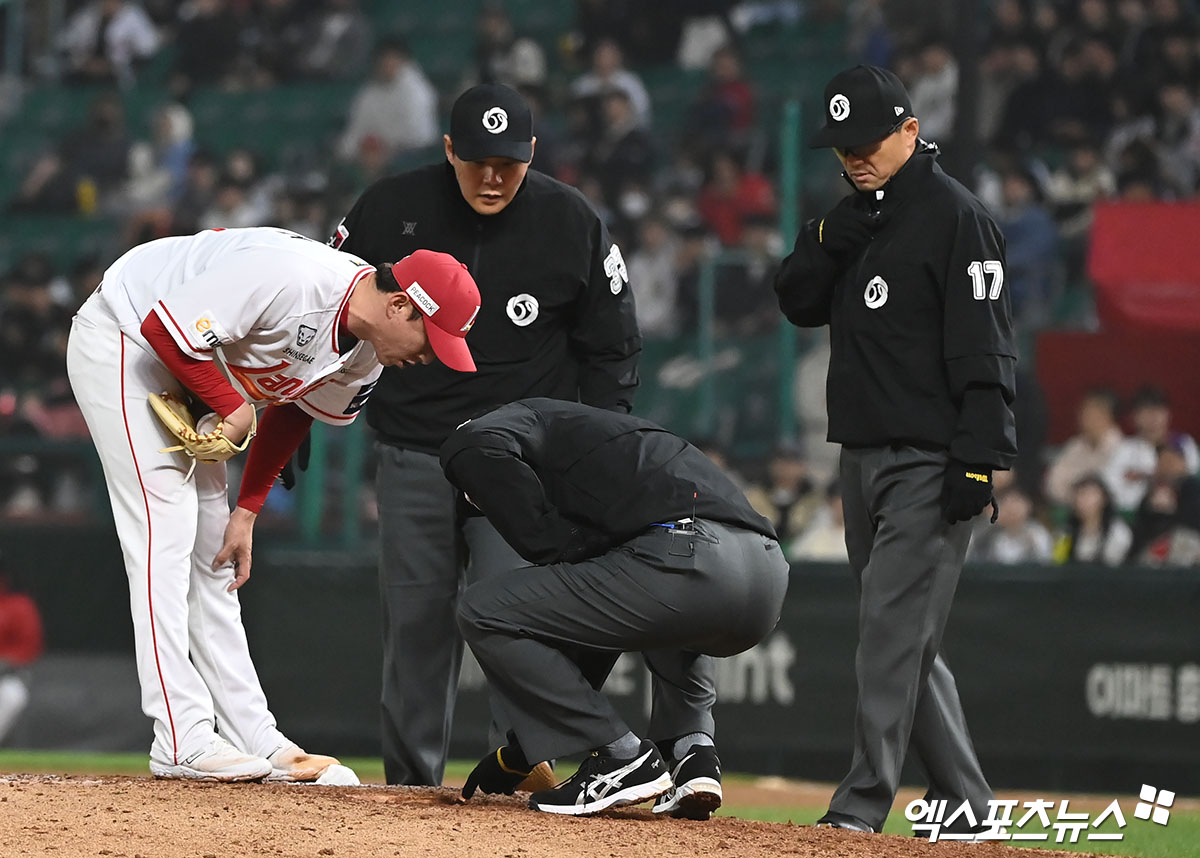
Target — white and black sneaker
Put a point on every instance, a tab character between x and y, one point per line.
697	791
604	782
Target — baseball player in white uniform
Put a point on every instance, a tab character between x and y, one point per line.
241	319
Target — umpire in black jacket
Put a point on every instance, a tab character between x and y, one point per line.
908	272
557	319
640	543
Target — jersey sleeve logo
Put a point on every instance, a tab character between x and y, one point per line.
614	267
340	235
360	399
209	330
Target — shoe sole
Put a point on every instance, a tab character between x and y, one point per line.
620	798
184	773
696	799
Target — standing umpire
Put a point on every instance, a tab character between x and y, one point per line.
557	320
908	272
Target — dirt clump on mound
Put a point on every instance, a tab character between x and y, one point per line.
123	817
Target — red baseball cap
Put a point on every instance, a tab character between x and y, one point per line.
444	291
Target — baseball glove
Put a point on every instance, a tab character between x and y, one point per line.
210	446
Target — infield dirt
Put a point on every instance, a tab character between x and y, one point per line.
124	817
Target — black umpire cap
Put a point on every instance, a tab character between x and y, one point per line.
862	105
491	121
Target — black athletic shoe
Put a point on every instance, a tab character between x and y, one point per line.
697	791
604	782
844	822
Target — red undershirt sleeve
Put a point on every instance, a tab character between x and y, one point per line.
280	431
201	377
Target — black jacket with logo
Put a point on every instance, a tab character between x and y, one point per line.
562	481
556	316
920	320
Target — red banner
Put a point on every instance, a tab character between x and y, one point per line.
1144	260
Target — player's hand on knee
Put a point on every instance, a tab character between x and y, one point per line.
966	491
239	539
499	772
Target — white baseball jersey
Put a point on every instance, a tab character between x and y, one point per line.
263	302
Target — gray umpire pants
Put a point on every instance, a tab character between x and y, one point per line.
546	636
426	553
906	562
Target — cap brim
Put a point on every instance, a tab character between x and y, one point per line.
450	350
847	138
479	149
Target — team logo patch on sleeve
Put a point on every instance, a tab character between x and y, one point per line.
209	330
614	267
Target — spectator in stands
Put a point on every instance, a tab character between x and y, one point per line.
608	72
1094	19
1166	527
501	56
274	40
934	91
789	497
104	41
623	154
824	539
199	191
207	45
868	37
1018	537
158	168
85	169
398	105
338	42
34	321
723	115
232	207
1132	466
1090	451
1031	237
745	301
731	194
1025	114
1075	108
1166	18
1095	533
653	277
21	644
1071	192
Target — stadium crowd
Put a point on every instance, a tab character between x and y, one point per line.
1079	101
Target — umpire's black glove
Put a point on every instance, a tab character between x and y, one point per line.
966	491
845	231
499	772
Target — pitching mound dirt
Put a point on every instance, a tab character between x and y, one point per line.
74	817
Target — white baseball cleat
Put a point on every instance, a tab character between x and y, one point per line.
291	764
217	761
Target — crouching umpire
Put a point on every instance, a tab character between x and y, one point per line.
640	543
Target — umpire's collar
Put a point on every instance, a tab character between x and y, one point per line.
906	182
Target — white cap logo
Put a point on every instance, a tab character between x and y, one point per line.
839	107
522	309
876	294
495	120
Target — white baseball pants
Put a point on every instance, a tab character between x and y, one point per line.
171	526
